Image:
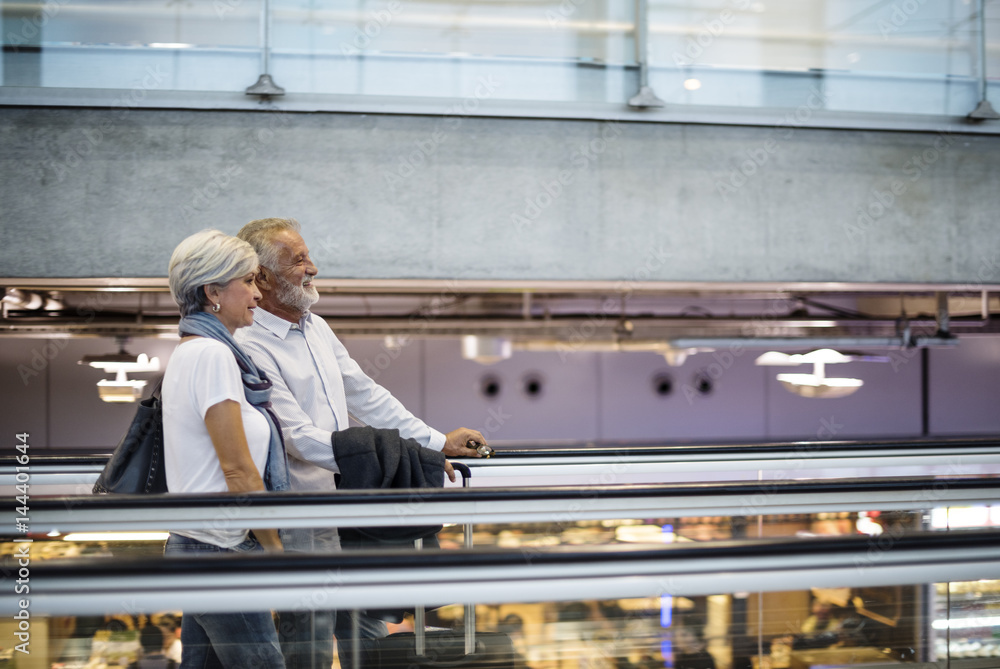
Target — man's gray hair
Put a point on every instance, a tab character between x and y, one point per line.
203	259
260	234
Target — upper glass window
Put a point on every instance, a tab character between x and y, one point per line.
904	57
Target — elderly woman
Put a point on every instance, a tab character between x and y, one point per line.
219	434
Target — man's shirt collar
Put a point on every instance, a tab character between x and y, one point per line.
279	326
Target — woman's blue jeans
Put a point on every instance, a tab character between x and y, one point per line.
225	640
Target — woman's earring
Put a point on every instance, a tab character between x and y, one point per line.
216	307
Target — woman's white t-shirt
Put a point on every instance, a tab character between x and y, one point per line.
201	373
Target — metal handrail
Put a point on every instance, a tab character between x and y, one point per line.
558	504
410	577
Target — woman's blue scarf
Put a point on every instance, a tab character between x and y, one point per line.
257	389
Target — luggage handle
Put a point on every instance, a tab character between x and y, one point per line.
419	620
419	614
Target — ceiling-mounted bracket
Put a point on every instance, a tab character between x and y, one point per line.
942	317
265	86
984	110
646	97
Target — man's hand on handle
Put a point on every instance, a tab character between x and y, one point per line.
457	445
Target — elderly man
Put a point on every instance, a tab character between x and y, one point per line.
316	386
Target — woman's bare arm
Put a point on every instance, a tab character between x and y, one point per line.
225	427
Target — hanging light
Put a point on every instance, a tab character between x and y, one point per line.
121	388
817	384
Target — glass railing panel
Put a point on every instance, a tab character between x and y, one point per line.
896	58
543	51
596	30
795	58
966	622
697	529
851	36
637	465
881	528
792	603
882	510
134	47
819	627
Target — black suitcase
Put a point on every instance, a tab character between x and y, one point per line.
444	648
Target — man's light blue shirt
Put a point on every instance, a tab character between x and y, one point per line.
317	387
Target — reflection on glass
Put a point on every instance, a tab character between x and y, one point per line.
821	627
136	47
850	625
526	50
853	55
907	57
967	620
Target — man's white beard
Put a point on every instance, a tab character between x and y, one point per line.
299	298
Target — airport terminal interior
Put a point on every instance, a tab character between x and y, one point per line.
715	279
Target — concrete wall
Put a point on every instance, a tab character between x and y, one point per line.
109	192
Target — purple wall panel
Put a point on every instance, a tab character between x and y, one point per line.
24	370
565	409
397	369
631	409
965	388
888	405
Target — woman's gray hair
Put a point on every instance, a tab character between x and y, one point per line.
206	258
259	234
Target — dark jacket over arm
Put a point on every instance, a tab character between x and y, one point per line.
371	458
